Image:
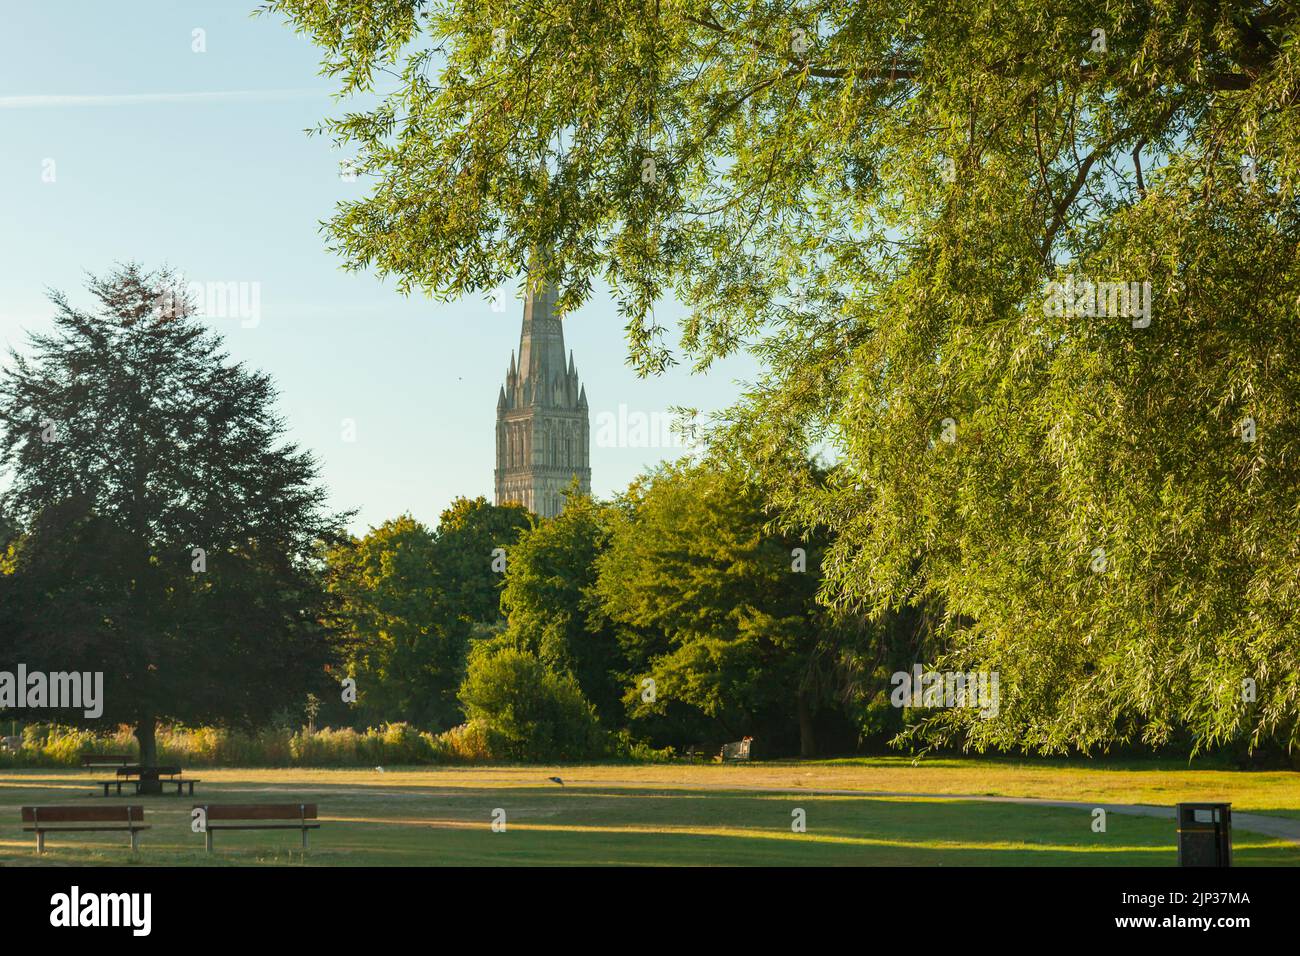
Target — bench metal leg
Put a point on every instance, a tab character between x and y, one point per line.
208	834
135	841
40	841
305	831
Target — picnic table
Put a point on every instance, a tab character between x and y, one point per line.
148	779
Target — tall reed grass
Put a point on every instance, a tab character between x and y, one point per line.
52	745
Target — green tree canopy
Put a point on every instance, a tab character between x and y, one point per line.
551	607
530	711
412	600
725	609
399	655
469	533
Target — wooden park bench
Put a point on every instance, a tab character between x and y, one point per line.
237	816
106	760
43	820
740	750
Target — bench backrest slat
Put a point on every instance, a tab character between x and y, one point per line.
110	759
101	814
260	811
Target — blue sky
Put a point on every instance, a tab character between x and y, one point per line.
199	161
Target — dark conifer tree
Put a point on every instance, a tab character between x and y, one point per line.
171	535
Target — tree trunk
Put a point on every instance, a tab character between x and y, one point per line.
144	734
807	745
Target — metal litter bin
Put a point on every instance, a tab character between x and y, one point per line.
1205	834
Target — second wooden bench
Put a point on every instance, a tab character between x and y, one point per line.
258	816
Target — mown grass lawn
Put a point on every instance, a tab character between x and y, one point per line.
675	815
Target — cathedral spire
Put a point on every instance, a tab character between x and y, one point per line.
543	430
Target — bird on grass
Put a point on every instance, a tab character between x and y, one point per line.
556	780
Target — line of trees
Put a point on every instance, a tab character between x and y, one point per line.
674	615
160	530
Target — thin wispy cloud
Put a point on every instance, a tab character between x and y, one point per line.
62	100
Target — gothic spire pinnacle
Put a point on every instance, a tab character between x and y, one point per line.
541	340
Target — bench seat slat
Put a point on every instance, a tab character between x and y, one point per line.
130	829
266	826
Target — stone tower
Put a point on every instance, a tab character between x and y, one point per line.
543	431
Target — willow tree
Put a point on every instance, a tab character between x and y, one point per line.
877	197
